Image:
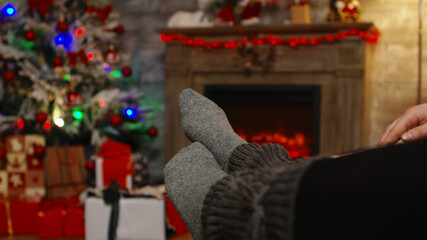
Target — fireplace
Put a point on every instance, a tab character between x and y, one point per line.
283	114
320	90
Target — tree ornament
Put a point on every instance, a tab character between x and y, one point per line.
21	123
47	126
90	8
115	120
90	166
30	35
41	117
348	11
57	62
104	13
152	131
8	76
119	29
74	98
127	71
112	56
8	10
62	25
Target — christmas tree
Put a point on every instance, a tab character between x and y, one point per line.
60	68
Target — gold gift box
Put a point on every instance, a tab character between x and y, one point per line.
300	13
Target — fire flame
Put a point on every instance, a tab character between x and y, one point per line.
297	146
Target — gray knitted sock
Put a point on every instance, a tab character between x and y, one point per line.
188	177
203	121
253	204
251	156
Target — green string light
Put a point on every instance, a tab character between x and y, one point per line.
67	77
78	114
115	74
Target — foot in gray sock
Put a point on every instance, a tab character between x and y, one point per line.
188	177
203	121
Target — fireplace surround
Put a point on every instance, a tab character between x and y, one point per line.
337	69
285	114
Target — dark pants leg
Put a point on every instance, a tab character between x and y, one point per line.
376	194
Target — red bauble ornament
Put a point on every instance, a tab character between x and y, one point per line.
90	9
62	26
57	62
152	131
20	123
127	71
115	120
9	76
119	29
2	153
41	117
30	35
74	98
90	166
112	56
39	151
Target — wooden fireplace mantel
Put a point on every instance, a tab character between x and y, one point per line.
269	29
338	68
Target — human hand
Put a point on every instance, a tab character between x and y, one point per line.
412	125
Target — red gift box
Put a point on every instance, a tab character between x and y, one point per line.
18	217
61	218
174	219
116	164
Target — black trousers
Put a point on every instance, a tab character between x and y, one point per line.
375	194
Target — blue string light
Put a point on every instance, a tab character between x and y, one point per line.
8	10
107	68
130	113
63	39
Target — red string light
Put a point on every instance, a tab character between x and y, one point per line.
368	36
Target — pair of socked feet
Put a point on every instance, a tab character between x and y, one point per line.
224	187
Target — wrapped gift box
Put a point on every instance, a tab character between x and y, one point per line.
174	220
18	217
22	177
300	13
139	219
106	172
114	162
66	175
61	218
